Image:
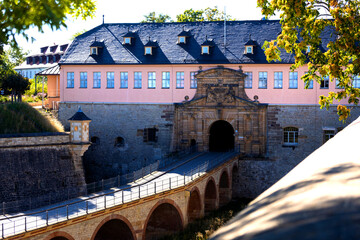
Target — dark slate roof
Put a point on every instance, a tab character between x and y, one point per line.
79	116
169	52
208	42
97	44
184	34
55	70
250	43
151	43
130	34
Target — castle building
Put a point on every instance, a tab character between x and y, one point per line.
152	89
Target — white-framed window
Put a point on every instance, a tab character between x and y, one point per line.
83	79
148	50
182	39
291	136
165	83
179	79
137	79
193	80
262	79
123	79
324	84
127	40
151	80
97	79
94	51
110	80
248	79
205	50
293	80
70	79
311	83
356	81
328	134
249	49
278	80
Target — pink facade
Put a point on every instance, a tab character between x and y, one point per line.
271	95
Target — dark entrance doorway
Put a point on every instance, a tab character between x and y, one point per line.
221	137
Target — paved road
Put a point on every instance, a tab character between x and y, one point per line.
171	177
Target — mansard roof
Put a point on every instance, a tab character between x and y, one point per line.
169	52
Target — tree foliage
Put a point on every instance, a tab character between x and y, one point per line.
16	16
152	18
16	84
303	22
208	14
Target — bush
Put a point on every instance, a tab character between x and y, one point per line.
31	91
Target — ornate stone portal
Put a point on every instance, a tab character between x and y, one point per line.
221	116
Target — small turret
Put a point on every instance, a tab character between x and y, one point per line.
79	127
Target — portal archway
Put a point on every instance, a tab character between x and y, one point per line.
164	220
221	137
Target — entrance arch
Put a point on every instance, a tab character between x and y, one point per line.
194	207
221	137
164	220
224	189
115	228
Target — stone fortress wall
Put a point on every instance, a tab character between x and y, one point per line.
38	169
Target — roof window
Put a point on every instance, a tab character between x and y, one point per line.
128	37
249	46
95	47
182	36
205	47
149	46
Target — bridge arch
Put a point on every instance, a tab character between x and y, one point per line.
234	180
59	235
114	227
221	136
164	218
210	198
224	188
194	205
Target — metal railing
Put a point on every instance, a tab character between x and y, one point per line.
78	207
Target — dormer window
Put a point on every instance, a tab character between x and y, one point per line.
148	50
127	40
249	46
182	36
93	51
249	49
205	47
182	39
205	50
149	47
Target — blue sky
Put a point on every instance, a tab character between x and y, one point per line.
117	11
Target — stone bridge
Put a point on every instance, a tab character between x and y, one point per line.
145	210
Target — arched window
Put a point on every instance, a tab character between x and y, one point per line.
291	135
119	142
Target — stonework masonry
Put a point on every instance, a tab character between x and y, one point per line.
37	170
107	157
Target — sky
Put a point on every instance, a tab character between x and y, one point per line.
133	11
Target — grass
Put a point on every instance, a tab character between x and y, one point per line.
22	118
202	228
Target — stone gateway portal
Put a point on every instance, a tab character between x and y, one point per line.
220	117
221	137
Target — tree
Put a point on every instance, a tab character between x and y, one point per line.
18	16
152	18
303	23
16	84
209	14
